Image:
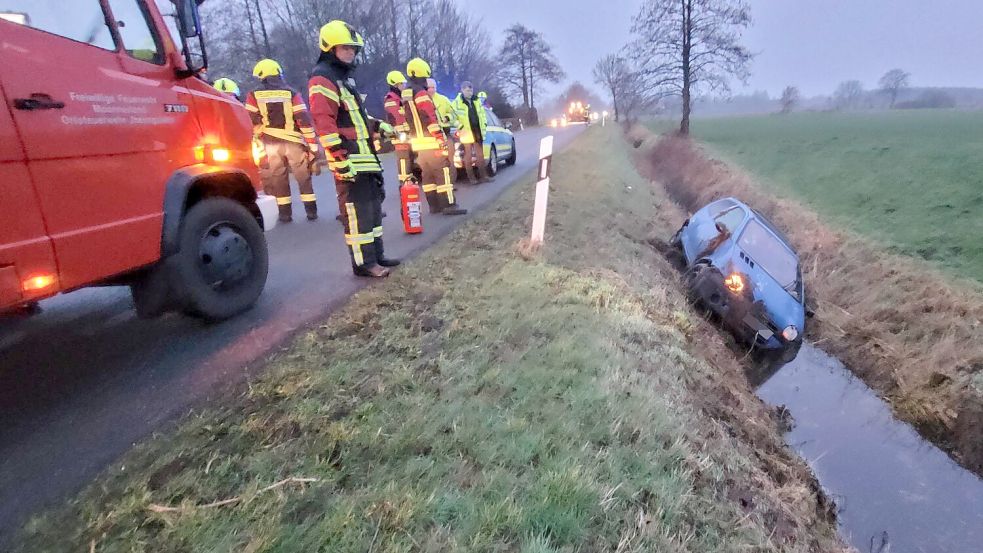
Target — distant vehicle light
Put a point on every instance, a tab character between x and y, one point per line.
38	282
790	333
554	123
734	282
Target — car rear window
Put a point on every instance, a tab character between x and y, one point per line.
770	253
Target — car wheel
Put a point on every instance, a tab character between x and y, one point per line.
221	267
694	278
512	157
492	162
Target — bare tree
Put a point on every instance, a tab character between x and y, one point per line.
790	98
893	81
527	61
848	95
683	46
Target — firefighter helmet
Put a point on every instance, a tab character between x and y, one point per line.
226	85
338	33
482	95
267	68
418	68
395	78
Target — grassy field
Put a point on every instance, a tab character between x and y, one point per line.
911	179
483	399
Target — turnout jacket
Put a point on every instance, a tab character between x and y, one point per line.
278	111
343	127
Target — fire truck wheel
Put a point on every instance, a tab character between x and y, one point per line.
222	265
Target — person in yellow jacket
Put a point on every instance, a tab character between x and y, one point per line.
447	117
474	122
427	141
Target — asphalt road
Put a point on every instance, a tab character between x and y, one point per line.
84	380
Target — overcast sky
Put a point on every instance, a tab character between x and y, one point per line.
813	44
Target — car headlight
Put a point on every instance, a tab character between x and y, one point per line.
790	333
734	282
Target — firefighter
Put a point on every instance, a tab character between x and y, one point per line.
282	122
474	121
427	141
229	87
393	105
447	117
483	98
343	128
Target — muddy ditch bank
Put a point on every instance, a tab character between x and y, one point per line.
909	332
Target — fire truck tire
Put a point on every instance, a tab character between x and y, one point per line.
221	267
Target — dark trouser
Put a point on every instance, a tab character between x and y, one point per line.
281	157
404	162
435	177
474	151
360	205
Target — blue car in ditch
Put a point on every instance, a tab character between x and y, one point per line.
742	268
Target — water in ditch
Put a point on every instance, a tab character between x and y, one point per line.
895	492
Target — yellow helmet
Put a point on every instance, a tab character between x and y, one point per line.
482	95
338	32
418	68
394	78
267	68
226	85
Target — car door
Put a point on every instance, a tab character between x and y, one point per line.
26	256
95	129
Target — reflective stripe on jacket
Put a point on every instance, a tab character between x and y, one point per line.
342	124
278	111
421	118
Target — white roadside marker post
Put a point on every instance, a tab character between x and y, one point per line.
604	117
542	190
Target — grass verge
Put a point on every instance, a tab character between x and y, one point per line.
912	180
905	328
486	398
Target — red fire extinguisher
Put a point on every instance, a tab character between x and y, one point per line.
411	203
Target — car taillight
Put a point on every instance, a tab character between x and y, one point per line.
790	333
734	282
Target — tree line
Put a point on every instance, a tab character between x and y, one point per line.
457	46
679	48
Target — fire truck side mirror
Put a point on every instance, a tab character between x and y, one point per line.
188	18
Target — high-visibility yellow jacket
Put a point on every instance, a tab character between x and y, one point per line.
445	111
464	108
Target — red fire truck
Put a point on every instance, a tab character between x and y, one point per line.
120	164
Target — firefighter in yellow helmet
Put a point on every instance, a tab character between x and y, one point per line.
229	87
448	120
427	141
393	105
344	130
282	122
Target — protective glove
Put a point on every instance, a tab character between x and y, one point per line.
343	170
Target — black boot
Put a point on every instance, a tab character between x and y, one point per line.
372	271
286	213
381	256
311	209
454	209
